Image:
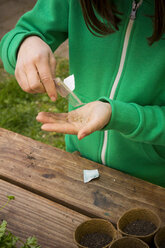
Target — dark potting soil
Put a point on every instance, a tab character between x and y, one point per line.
95	240
140	228
162	244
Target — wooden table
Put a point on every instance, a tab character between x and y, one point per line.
51	198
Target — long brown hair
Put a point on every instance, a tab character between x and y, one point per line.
111	18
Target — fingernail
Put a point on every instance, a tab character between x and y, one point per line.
42	127
53	98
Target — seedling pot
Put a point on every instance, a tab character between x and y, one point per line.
128	242
135	216
159	238
92	227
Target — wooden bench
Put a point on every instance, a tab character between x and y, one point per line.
51	197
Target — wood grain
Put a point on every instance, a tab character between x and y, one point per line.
30	215
58	175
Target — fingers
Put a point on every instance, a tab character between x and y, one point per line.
23	82
35	68
86	130
45	117
29	80
63	127
56	122
98	118
52	63
45	73
33	79
61	122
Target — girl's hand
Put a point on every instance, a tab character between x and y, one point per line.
81	122
35	67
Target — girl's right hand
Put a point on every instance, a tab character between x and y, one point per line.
35	68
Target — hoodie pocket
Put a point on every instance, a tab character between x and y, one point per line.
152	154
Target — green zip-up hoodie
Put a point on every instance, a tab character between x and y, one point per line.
134	139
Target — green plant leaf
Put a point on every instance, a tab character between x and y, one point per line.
11	197
8	240
31	242
3	228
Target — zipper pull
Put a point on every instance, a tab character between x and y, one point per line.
135	7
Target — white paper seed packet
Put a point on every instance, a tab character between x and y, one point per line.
90	175
65	89
70	82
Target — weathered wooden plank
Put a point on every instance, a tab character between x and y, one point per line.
30	214
59	176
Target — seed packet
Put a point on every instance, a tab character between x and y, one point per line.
65	89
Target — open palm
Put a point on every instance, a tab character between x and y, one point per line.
81	122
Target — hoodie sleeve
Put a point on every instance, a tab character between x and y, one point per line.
139	123
48	20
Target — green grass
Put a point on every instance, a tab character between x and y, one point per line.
18	109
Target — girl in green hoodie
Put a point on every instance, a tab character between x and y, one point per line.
117	55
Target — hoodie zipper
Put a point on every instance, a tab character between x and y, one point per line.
135	7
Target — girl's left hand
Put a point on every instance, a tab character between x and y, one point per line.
83	121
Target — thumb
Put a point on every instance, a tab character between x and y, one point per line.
87	129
